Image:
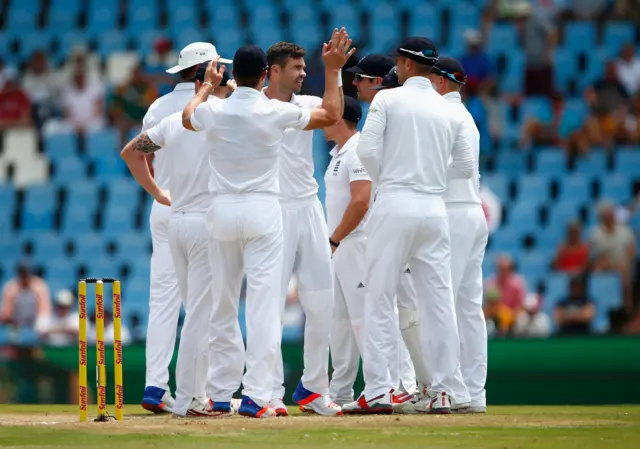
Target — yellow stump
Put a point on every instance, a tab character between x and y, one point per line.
117	350
101	372
82	349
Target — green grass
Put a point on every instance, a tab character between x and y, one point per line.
502	428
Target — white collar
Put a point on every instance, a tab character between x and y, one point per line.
293	96
453	97
246	91
420	81
184	86
348	145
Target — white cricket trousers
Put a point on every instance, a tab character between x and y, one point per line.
409	228
469	234
189	244
307	254
245	236
164	301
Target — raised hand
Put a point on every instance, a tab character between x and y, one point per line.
337	52
214	73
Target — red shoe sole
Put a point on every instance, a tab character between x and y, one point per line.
154	408
370	411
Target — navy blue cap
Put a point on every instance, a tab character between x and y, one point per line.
249	61
377	65
202	70
418	49
451	69
389	81
352	110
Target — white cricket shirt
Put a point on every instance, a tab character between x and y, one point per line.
296	164
185	156
465	190
408	137
174	101
244	139
344	168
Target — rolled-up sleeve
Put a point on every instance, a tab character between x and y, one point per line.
203	117
463	161
372	136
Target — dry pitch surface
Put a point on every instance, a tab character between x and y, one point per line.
503	427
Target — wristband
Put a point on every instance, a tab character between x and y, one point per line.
340	78
207	83
332	243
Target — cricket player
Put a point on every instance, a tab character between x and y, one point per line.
469	234
188	170
348	193
164	295
408	137
306	248
244	139
373	73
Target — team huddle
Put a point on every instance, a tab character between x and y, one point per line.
392	276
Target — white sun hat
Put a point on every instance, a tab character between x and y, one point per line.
196	53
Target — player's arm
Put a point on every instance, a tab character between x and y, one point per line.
212	79
135	156
356	210
463	160
370	144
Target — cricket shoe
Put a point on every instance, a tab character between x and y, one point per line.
402	402
380	405
279	407
209	409
157	400
439	404
473	407
311	402
249	408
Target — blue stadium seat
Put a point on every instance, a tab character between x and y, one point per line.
551	162
134	244
111	41
524	217
506	240
182	15
557	290
102	15
561	213
550	238
617	34
69	169
595	68
39	206
78	220
290	5
383	38
63	15
533	265
327	4
513	77
47	245
511	162
34	41
301	14
345	16
627	162
145	41
123	192
502	39
383	14
426	20
103	266
228	40
592	164
225	18
88	246
265	36
62	269
82	194
69	40
117	220
538	108
533	189
22	15
617	187
10	249
7	202
308	35
566	68
489	264
498	184
580	36
572	117
142	15
606	291
264	15
185	36
576	187
463	16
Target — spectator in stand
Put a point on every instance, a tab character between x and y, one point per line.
511	287
574	314
628	69
613	248
534	323
609	103
60	328
108	329
478	65
83	103
15	107
156	65
588	9
626	10
25	299
573	255
499	317
539	37
39	83
80	59
131	101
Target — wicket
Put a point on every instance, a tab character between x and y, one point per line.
101	371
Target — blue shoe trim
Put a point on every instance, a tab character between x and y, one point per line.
222	407
249	407
302	394
153	395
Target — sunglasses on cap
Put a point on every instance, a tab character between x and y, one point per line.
456	77
360	77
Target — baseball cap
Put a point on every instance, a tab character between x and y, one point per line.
451	69
64	298
389	81
202	70
352	110
194	54
249	61
376	65
418	49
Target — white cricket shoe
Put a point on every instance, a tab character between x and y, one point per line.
322	406
380	405
438	404
402	402
279	407
209	409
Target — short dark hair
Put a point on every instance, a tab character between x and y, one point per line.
250	81
280	52
188	74
351	125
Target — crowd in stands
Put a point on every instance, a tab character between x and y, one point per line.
554	87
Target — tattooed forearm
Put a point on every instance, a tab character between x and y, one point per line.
143	144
